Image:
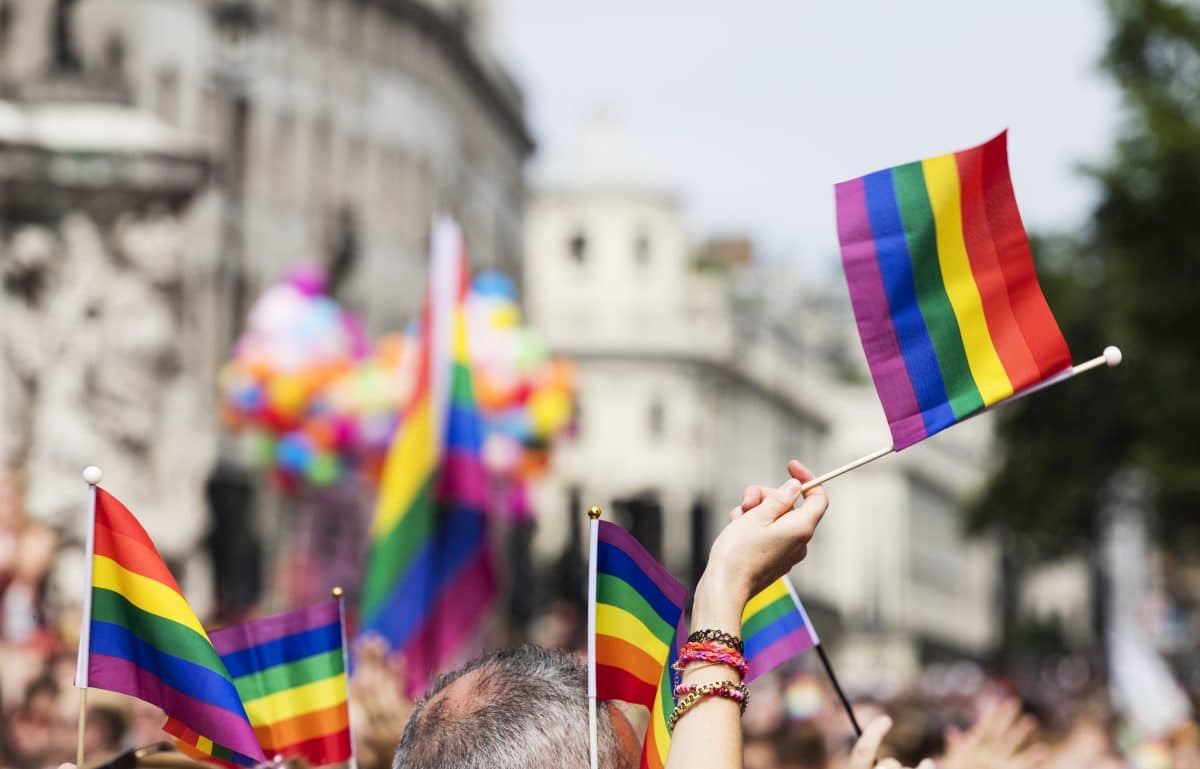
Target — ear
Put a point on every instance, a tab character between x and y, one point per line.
629	746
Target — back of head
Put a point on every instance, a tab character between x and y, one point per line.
512	709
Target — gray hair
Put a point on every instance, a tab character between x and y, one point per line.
525	708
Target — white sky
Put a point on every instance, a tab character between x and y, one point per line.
756	107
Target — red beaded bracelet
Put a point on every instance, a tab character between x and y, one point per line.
709	651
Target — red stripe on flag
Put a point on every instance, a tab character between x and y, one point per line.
113	515
1002	324
132	554
619	684
318	751
1033	315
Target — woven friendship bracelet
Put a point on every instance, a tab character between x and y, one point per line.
720	636
709	651
727	689
737	692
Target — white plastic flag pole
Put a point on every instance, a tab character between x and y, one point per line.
593	541
1111	357
92	475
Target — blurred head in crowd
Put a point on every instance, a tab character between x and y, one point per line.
512	709
105	730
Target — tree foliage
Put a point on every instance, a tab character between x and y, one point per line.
1132	280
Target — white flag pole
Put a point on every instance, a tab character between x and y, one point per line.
92	475
1111	357
339	595
593	539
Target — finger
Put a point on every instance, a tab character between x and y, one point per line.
1018	734
753	496
735	513
889	763
778	501
862	756
926	764
801	524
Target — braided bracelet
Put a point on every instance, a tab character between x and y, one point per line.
708	651
720	636
737	692
726	689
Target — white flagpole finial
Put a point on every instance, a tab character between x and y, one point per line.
93	475
1112	355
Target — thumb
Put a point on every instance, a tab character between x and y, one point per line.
778	501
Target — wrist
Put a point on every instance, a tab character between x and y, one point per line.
718	605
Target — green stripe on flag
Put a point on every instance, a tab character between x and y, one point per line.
766	615
615	591
163	634
391	555
289	675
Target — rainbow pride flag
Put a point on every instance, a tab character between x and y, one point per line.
941	277
775	628
636	616
429	580
141	638
289	670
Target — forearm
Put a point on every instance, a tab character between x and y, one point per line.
710	733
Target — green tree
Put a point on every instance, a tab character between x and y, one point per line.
1132	280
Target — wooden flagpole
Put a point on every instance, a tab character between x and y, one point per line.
593	514
1111	357
92	475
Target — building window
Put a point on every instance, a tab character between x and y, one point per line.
641	249
657	418
577	247
167	97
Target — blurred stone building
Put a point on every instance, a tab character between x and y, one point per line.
332	131
701	370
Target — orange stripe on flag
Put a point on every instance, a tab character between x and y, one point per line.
303	727
619	653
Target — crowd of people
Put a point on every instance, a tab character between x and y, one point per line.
955	714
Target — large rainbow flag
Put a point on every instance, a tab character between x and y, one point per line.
775	628
941	278
141	638
636	619
429	578
289	670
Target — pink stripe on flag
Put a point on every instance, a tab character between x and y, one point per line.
454	619
255	632
218	724
464	480
791	645
670	587
871	313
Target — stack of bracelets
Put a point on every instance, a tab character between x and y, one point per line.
712	647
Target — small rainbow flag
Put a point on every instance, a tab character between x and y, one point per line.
775	628
289	670
636	616
141	638
941	277
429	578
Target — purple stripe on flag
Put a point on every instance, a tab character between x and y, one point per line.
255	632
453	620
792	644
218	724
464	480
869	299
668	585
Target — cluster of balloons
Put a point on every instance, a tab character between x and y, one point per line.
527	398
313	399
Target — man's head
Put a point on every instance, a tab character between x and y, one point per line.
511	709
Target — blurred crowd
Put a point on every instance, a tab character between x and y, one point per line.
955	713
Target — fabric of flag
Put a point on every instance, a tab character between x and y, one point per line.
289	670
775	628
942	282
429	579
143	639
639	608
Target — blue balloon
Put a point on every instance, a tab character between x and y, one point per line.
494	283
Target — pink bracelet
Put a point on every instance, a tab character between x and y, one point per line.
708	651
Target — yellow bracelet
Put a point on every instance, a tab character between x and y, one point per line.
727	689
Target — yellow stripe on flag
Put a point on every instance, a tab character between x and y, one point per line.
296	701
770	595
204	745
410	461
618	623
942	184
147	594
658	722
